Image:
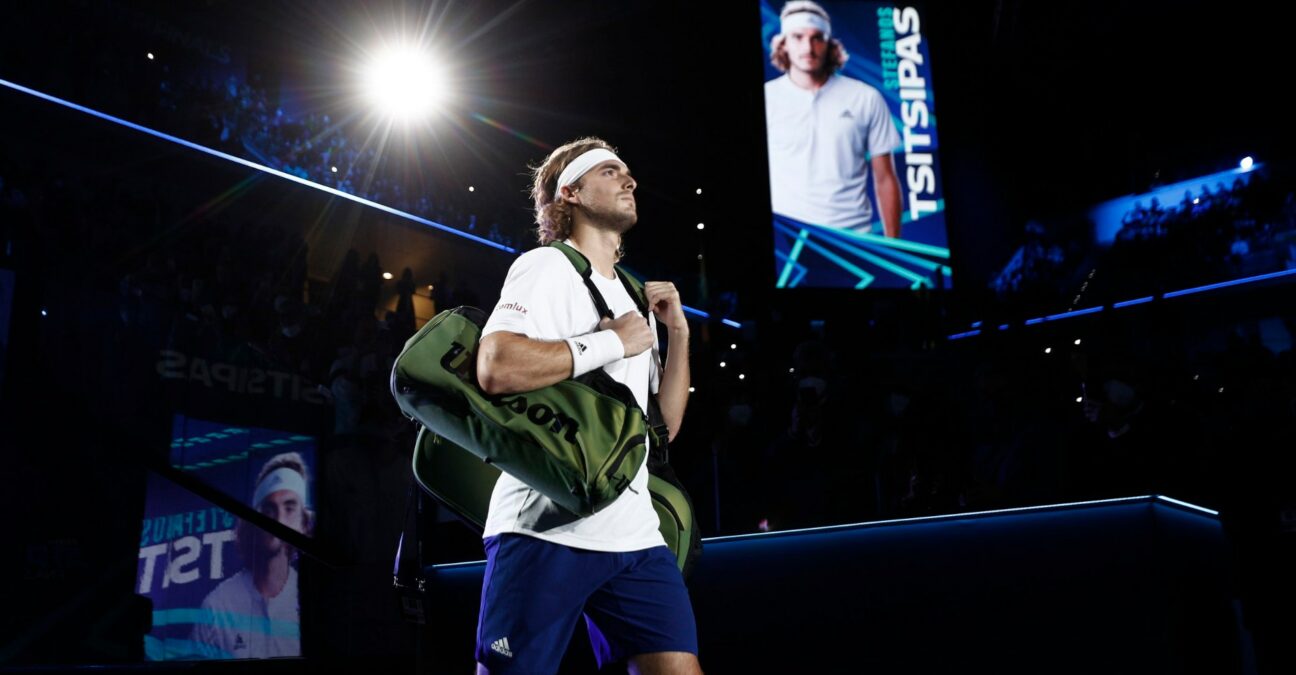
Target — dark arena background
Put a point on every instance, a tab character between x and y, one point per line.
1051	428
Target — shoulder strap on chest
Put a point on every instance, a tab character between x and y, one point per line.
636	290
583	267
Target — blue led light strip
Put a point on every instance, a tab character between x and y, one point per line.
287	176
921	519
1135	301
1149	298
259	167
1225	284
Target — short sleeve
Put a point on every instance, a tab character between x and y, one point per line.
882	135
205	637
534	300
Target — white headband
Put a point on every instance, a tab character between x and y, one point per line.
283	478
582	164
806	19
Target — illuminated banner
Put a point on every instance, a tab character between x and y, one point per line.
229	378
850	121
222	589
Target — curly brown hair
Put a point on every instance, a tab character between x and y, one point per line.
837	55
552	216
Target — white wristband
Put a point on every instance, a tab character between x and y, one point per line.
594	350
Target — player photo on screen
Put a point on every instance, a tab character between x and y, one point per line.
221	587
853	160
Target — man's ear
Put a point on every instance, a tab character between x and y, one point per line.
571	196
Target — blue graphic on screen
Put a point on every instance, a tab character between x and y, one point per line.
222	589
831	222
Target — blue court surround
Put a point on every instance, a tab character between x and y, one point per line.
1140	584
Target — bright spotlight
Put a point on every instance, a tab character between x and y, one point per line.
405	83
1247	163
387	276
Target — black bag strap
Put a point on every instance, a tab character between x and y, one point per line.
586	270
407	572
658	453
635	289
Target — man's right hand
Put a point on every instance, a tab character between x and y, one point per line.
636	336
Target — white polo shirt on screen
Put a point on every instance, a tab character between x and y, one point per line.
238	622
820	144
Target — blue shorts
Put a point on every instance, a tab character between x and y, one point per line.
534	591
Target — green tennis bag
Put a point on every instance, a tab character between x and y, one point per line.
578	442
463	483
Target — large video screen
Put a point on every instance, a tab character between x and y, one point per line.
222	588
850	121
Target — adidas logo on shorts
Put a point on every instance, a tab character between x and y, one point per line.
501	647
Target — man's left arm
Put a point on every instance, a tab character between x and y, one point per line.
673	392
888	193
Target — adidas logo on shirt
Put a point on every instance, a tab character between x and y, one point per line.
501	646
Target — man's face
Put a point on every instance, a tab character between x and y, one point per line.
607	195
284	506
807	49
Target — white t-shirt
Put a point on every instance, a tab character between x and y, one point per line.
820	144
244	624
545	298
